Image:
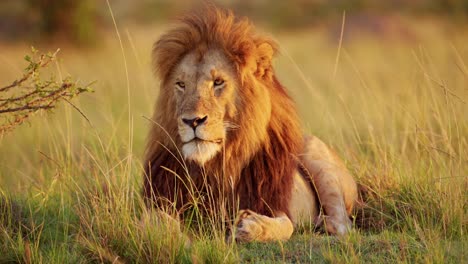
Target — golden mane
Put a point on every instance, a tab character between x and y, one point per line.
207	29
259	158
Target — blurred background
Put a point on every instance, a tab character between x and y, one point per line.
83	22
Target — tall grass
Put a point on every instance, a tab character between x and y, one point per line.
396	111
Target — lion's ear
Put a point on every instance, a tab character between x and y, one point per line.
266	50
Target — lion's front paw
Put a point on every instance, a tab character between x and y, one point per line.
333	225
248	226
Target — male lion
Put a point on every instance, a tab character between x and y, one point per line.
225	130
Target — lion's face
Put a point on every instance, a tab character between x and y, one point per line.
204	88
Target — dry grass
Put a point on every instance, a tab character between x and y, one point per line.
396	111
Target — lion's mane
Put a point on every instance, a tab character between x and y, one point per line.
259	158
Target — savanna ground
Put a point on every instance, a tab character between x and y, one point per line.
393	105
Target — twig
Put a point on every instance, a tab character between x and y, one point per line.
32	93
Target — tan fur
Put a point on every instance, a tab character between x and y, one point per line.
226	129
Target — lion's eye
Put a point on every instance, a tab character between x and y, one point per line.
180	85
218	82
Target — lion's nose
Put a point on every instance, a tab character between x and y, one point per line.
193	123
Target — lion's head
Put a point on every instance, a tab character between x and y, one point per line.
204	89
221	105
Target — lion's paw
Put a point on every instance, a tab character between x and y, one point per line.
248	226
333	225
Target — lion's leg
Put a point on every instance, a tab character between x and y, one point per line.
336	188
250	226
303	206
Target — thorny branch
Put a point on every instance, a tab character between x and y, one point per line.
32	93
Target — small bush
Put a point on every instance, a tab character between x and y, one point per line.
25	96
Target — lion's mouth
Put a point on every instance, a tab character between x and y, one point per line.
201	150
200	140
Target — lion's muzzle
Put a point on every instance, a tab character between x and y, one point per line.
200	144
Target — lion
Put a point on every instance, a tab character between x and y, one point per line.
225	130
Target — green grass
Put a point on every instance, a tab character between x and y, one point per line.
396	111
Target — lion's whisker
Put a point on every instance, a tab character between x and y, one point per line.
230	125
